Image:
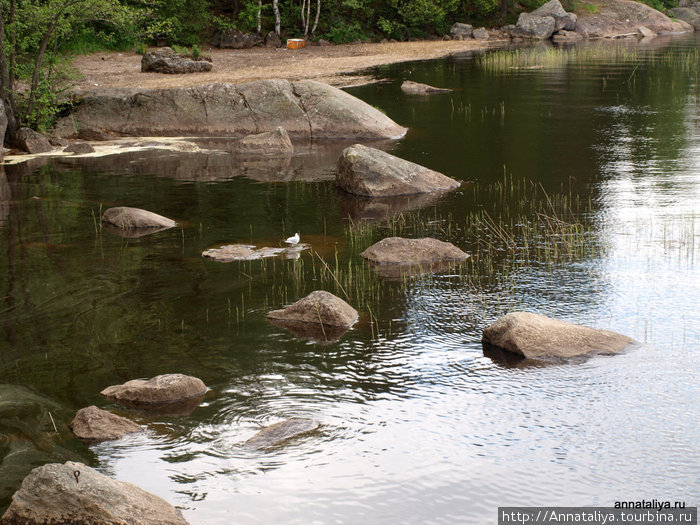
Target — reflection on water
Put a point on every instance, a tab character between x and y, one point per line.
583	205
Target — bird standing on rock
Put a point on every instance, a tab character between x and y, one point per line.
293	240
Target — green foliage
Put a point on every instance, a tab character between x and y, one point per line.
141	48
531	5
344	32
175	21
196	51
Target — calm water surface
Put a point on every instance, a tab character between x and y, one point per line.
419	424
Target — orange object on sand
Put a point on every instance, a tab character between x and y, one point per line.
295	43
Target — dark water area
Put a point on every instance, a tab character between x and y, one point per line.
588	163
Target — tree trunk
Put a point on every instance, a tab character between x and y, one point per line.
276	9
318	14
37	70
13	45
308	17
259	16
303	11
504	8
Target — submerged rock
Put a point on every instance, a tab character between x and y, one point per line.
416	88
165	60
31	141
306	109
370	172
126	218
159	390
536	336
319	307
400	251
95	424
275	435
248	252
566	37
76	494
273	142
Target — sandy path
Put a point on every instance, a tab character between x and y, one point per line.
330	64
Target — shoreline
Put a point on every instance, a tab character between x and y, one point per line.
338	65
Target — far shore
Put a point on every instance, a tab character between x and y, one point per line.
337	65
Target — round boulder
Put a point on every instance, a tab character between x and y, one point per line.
400	251
372	172
319	307
537	336
127	218
166	388
536	27
95	424
77	494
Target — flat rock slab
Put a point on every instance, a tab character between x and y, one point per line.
126	218
275	142
76	494
416	88
537	336
248	252
94	424
275	435
371	172
400	251
319	308
166	388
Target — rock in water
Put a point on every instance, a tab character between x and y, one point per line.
536	336
76	494
165	60
276	434
400	251
416	88
134	219
95	424
275	142
166	388
319	307
31	141
374	173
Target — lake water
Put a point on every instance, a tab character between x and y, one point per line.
581	201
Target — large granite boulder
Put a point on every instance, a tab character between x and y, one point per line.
319	307
535	27
94	424
126	218
275	142
536	336
461	31
481	33
162	389
76	494
619	17
562	19
276	434
371	172
691	15
416	88
165	60
305	108
400	251
31	141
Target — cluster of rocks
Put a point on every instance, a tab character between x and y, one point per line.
688	11
165	60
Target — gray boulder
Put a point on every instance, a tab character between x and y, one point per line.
126	218
275	142
416	88
619	17
166	388
562	19
535	27
31	141
400	251
481	33
76	494
536	336
273	40
277	434
79	147
94	424
306	109
319	307
374	173
687	14
461	30
165	60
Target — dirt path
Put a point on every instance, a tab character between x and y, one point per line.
330	64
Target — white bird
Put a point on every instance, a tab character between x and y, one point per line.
293	240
